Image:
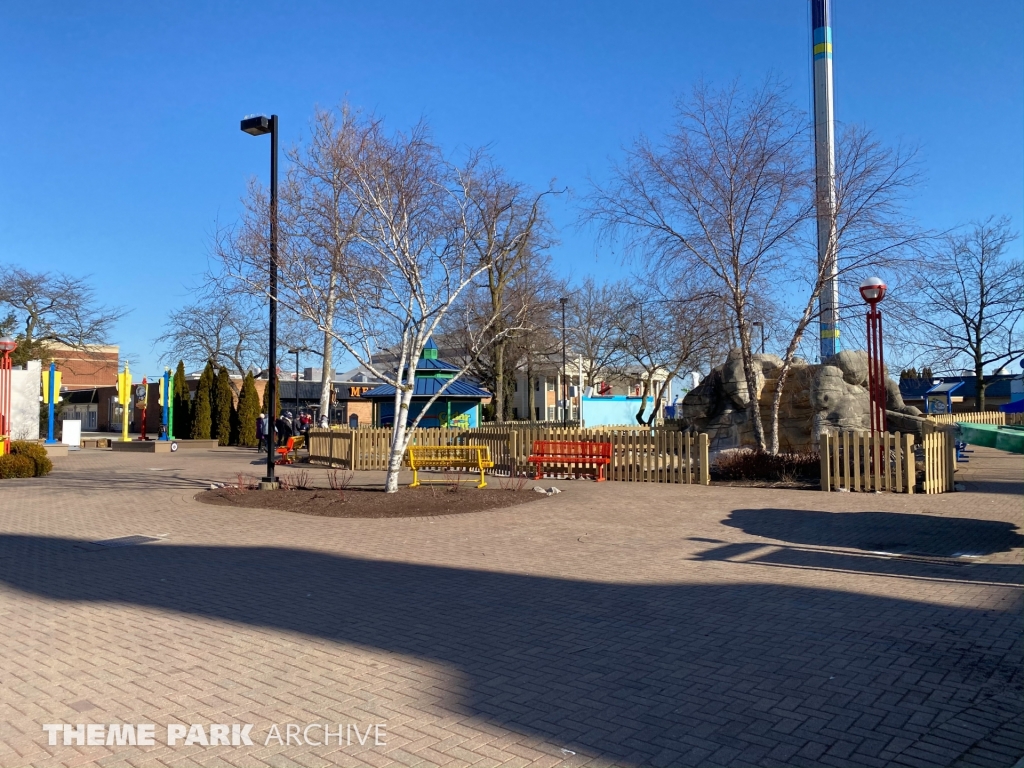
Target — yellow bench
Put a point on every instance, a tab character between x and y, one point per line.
474	457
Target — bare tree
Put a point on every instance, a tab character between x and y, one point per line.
227	330
872	235
660	336
966	307
724	196
321	219
54	307
729	197
537	344
415	251
521	298
515	232
591	328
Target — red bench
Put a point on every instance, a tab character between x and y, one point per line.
570	452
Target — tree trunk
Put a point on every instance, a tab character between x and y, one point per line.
326	374
753	406
657	395
780	385
531	397
399	436
643	401
499	382
980	384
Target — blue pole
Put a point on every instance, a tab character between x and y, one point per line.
49	397
167	402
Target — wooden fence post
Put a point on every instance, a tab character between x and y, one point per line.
949	458
705	469
826	471
909	463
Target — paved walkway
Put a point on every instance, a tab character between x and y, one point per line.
612	624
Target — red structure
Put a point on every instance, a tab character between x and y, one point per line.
873	291
141	398
7	345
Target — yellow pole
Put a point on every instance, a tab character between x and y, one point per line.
124	394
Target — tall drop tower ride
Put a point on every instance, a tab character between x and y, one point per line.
825	166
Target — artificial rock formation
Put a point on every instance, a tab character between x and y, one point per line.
816	398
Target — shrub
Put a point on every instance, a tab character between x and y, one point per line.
41	464
202	418
753	465
248	412
16	465
223	408
182	404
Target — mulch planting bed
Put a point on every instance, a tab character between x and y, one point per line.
424	501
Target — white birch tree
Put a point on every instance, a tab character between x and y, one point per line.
415	242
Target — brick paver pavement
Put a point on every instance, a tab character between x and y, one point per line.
610	624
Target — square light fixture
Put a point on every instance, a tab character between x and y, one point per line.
256	126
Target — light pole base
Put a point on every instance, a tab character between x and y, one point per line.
269	485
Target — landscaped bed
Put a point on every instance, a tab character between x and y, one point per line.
424	501
750	468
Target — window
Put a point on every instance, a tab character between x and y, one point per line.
536	385
551	413
549	385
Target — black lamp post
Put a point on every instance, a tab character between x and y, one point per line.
565	392
258	126
296	353
760	325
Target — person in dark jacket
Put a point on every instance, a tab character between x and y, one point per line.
283	427
261	431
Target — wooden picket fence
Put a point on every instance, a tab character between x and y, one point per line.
638	455
939	461
369	448
886	462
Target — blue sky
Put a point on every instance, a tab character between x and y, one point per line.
121	144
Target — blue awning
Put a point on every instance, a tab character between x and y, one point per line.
428	387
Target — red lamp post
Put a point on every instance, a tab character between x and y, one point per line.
873	291
7	345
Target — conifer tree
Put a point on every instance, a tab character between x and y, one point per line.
248	412
223	405
202	411
182	404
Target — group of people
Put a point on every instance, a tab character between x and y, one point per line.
287	425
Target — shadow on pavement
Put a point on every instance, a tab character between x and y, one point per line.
888	532
631	674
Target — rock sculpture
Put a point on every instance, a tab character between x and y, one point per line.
816	398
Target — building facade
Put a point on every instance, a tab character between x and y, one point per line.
84	367
457	405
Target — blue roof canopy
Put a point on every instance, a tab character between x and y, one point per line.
428	387
432	380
